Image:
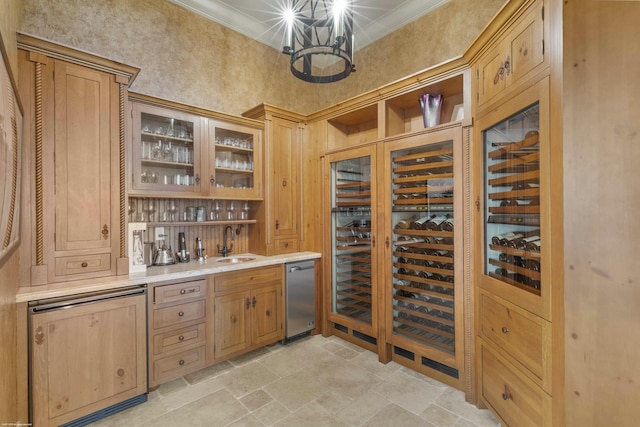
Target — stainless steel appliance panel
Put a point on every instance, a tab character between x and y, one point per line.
300	303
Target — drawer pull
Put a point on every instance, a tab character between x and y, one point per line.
181	362
105	231
180	314
506	395
181	338
84	264
183	291
505	330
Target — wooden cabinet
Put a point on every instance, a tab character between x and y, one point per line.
284	132
248	310
516	254
75	105
183	151
518	55
86	357
177	329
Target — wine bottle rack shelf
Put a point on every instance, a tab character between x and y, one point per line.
423	260
351	222
512	213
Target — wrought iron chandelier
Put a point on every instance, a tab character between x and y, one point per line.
319	39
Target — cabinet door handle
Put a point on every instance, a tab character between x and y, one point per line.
248	303
181	338
505	330
277	224
387	242
212	180
105	231
507	65
284	182
181	362
84	264
197	178
506	395
373	241
253	303
268	313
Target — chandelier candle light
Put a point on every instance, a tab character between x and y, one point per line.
319	39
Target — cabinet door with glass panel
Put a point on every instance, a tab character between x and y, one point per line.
424	311
351	196
514	192
235	161
166	151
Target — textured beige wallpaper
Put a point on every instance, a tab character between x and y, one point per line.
187	58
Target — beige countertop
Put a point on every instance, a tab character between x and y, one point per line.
156	274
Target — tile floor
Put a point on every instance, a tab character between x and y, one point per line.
314	381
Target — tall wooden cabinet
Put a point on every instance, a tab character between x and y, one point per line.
394	273
518	260
281	231
75	101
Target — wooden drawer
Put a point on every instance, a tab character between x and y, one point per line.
180	291
241	278
286	246
524	336
179	338
517	400
177	314
82	264
177	365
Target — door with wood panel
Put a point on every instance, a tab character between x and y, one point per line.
266	314
285	169
231	323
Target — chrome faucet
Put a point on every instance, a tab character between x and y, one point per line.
226	250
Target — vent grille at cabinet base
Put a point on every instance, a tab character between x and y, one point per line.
107	412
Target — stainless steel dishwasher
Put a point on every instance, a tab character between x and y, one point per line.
300	299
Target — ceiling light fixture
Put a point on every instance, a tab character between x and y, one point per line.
319	39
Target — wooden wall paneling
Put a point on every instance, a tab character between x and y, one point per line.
601	99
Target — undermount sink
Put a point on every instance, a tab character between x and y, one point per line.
235	260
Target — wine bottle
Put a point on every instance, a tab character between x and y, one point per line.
527	237
533	246
405	224
434	222
506	238
532	264
447	224
419	223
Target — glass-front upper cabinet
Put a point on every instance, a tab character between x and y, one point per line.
351	198
166	150
514	149
424	287
235	160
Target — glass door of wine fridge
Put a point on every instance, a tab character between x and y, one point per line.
426	272
352	197
512	201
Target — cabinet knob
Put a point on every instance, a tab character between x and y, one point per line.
181	362
505	330
197	178
268	313
180	314
183	291
181	338
84	264
286	244
284	182
212	180
277	224
105	231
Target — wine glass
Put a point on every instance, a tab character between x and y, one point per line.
150	209
244	212
231	211
172	209
132	207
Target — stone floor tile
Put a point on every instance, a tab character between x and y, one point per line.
208	372
333	401
395	416
453	400
247	378
172	386
295	390
359	411
271	413
255	400
246	421
311	415
439	416
252	356
408	392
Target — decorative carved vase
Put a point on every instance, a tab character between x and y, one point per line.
430	105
